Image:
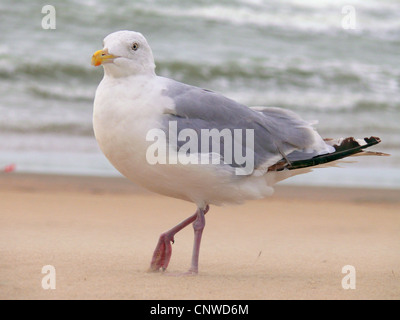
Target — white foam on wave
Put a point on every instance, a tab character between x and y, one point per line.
307	16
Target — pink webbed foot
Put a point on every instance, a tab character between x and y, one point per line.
162	253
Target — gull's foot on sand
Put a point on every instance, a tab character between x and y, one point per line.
162	253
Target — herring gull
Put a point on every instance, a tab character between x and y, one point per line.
194	144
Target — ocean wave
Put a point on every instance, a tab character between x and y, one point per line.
347	83
10	69
68	128
289	74
51	81
62	93
296	16
262	69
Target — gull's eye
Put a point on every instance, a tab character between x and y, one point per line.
135	46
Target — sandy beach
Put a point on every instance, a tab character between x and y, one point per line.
100	233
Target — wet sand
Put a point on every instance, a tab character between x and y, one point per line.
100	233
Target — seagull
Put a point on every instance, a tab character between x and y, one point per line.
197	145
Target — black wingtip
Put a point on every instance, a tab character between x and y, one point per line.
346	148
372	140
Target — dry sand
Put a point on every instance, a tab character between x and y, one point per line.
100	233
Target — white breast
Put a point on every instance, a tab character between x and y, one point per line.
122	116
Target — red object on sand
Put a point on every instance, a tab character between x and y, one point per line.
9	168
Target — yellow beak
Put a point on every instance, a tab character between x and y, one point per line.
101	57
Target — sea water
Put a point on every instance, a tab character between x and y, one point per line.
294	54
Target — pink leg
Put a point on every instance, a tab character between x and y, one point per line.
198	227
163	251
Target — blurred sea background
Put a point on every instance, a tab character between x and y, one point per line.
288	53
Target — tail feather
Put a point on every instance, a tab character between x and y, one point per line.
343	148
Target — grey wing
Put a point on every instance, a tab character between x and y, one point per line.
295	131
276	133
